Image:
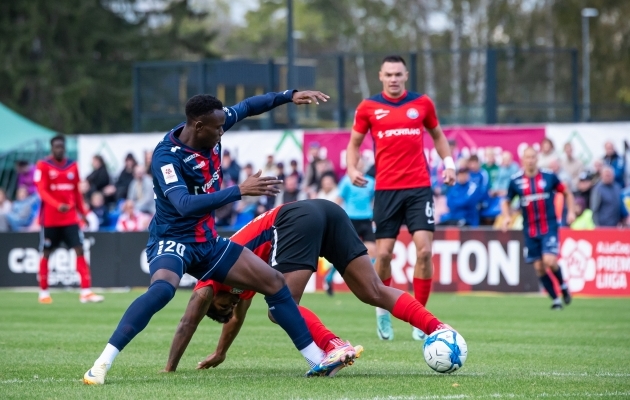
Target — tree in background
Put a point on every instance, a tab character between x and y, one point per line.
67	63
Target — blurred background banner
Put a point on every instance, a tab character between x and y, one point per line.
588	139
596	262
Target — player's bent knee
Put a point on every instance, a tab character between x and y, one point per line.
424	256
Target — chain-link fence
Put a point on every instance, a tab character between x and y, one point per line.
473	86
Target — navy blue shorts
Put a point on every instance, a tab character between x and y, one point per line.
207	260
535	247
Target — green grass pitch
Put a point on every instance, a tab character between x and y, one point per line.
518	348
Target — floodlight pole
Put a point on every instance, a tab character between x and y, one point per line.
291	73
586	63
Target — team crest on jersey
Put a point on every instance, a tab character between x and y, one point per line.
236	291
216	150
70	175
542	184
168	171
53	174
412	113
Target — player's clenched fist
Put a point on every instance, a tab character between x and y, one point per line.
257	185
212	361
448	176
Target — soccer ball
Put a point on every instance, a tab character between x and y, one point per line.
445	351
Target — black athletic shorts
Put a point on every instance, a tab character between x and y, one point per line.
309	229
413	207
364	229
51	238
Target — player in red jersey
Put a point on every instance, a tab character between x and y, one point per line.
291	238
57	180
397	119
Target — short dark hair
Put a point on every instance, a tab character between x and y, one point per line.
56	138
394	59
215	316
474	157
202	104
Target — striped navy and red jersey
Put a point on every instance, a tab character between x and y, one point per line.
58	183
258	236
536	196
175	165
397	128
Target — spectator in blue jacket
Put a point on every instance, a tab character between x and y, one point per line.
463	201
477	174
607	201
616	162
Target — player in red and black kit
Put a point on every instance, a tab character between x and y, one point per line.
397	119
57	180
291	238
536	190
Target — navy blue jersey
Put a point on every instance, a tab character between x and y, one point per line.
174	165
536	196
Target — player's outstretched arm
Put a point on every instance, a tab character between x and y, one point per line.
257	105
197	308
228	334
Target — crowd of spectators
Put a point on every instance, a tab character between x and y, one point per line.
126	203
601	193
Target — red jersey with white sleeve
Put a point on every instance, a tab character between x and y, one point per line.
397	128
58	183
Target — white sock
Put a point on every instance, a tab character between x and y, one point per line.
43	294
564	286
557	301
85	292
107	356
381	312
313	354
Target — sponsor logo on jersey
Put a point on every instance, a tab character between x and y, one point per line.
525	200
37	176
380	113
191	157
168	171
70	175
208	185
175	148
52	174
227	111
399	132
412	113
200	165
62	187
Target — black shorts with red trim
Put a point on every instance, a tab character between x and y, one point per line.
309	229
413	207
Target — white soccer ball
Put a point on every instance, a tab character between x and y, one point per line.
445	351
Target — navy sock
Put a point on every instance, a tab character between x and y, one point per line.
139	313
545	280
285	312
558	274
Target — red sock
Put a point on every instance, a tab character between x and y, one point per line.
387	282
84	271
422	289
321	335
43	273
410	310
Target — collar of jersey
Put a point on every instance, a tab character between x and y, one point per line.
175	139
396	100
59	164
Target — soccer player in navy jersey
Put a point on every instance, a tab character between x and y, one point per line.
536	189
186	169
